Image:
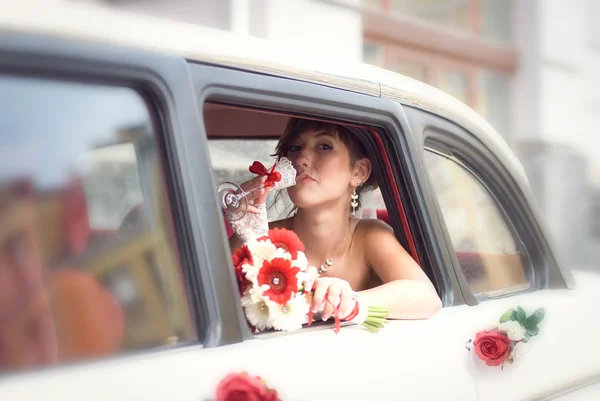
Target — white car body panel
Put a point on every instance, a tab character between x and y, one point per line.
409	360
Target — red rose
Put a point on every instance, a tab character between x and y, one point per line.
243	387
492	346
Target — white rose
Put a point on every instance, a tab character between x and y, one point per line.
513	330
519	351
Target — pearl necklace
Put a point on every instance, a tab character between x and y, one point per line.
329	261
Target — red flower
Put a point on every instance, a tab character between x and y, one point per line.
241	255
243	387
281	277
240	276
286	239
492	346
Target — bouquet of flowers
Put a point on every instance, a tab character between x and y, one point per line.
508	340
273	275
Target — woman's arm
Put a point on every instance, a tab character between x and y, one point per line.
256	206
407	291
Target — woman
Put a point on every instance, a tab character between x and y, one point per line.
332	166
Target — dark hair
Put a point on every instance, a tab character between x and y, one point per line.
296	126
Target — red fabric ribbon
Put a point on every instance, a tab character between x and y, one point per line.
354	312
336	312
336	316
272	176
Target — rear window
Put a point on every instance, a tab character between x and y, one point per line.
88	262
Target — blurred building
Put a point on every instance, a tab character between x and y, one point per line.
526	66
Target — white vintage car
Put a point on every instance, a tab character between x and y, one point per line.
116	280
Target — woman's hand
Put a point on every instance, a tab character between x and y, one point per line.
331	293
255	197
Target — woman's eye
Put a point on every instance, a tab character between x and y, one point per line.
324	146
294	148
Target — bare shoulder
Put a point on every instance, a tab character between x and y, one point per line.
371	229
384	253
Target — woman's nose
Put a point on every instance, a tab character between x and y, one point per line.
302	159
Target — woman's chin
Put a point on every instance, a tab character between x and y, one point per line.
302	200
303	204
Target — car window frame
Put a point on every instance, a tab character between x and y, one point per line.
499	179
162	82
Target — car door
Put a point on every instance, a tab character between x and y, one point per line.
505	260
404	359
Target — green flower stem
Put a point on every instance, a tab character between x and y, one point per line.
373	323
378	315
378	309
370	327
376	318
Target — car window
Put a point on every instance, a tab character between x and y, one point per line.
489	254
88	261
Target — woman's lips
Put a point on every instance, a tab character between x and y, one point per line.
304	177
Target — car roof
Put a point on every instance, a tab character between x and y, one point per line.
101	24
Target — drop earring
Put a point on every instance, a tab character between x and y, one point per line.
354	201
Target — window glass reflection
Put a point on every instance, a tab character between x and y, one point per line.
88	262
490	256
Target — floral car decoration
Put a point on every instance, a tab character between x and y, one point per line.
241	386
508	340
272	277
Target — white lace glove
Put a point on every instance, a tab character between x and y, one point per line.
251	225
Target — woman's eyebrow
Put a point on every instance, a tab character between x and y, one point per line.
325	133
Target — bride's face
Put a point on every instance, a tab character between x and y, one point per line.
322	161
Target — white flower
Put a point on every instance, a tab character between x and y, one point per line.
251	272
307	278
292	315
282	253
259	316
300	261
254	294
262	250
513	330
492	326
302	279
519	351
